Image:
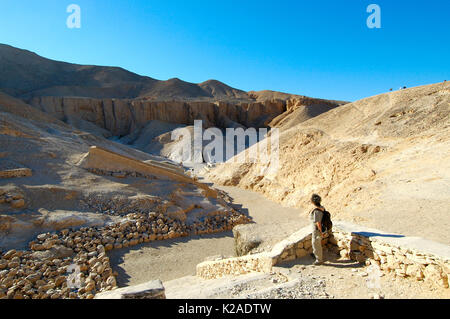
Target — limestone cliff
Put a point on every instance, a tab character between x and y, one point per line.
122	116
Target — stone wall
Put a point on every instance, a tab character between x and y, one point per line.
15	173
405	256
295	246
235	266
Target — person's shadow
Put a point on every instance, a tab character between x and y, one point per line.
331	260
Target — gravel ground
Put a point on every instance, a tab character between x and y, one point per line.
336	279
347	279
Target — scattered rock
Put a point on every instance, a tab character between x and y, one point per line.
53	253
78	257
19	203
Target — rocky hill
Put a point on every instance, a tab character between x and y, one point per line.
382	161
111	101
26	74
51	185
300	109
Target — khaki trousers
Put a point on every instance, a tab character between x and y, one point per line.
317	245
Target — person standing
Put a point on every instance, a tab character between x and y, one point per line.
316	216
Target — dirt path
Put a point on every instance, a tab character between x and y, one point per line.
167	259
261	209
274	222
171	259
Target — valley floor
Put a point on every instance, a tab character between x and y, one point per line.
174	262
171	259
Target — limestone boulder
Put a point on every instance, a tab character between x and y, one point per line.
56	252
150	290
246	238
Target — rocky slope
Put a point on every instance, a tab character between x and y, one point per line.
300	109
381	161
52	150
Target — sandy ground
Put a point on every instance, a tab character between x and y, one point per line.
168	259
347	279
300	279
171	259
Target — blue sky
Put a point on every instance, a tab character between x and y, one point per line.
316	48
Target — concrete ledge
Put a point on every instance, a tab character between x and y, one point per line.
149	290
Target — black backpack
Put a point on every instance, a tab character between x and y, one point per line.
326	222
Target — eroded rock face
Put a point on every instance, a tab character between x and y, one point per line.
122	117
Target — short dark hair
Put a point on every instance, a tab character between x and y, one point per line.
316	199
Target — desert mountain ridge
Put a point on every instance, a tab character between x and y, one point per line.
25	74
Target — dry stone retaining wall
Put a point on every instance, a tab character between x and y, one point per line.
42	272
296	246
405	256
235	266
15	173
